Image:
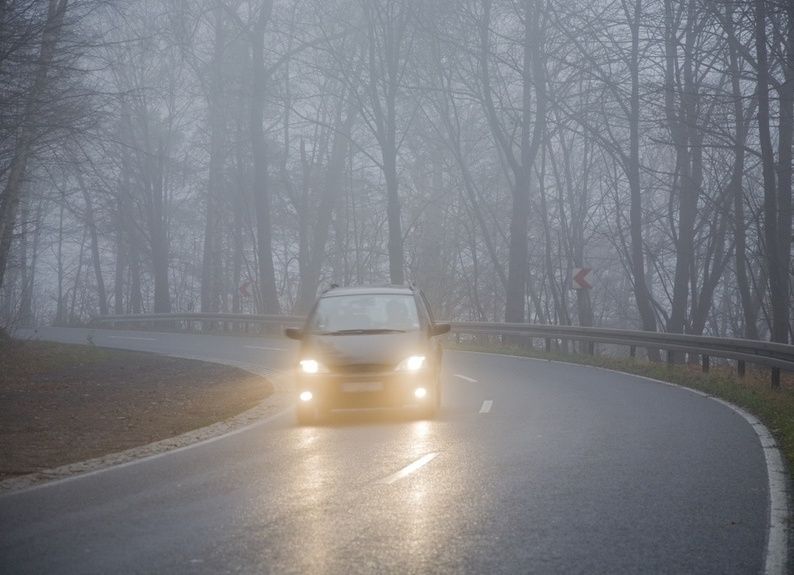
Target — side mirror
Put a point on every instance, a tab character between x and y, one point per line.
293	333
439	328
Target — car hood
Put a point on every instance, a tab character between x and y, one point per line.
360	349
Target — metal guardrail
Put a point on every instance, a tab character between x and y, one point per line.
198	317
760	352
776	356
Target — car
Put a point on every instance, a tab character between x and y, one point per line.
368	347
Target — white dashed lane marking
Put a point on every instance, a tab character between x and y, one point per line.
132	338
486	406
465	378
409	469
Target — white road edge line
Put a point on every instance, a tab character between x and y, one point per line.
265	348
777	544
776	556
486	406
132	338
465	378
409	469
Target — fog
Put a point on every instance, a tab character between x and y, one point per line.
241	156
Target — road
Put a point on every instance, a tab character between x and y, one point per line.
531	467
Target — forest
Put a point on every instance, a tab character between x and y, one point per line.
242	155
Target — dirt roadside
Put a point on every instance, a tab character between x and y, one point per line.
61	404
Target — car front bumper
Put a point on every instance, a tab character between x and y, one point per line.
366	390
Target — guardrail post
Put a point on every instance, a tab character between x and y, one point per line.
548	344
705	363
670	357
632	351
775	378
740	368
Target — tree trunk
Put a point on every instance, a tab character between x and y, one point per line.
386	34
518	255
641	291
59	310
682	122
335	172
211	258
22	248
90	223
237	232
135	298
533	78
71	318
268	294
395	238
749	307
451	120
122	240
432	250
9	201
781	324
27	317
560	309
777	268
158	236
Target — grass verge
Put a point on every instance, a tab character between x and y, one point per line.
775	408
63	404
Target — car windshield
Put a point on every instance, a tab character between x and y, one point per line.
365	313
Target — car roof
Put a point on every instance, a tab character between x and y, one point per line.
368	289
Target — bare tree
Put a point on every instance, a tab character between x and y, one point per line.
777	186
520	150
17	170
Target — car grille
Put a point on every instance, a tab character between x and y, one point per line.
363	368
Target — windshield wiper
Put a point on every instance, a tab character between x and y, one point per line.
361	331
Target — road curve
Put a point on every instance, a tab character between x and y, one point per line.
531	467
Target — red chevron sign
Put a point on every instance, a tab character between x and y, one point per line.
579	278
244	291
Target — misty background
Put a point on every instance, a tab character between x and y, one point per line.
240	156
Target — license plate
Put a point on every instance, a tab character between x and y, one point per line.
359	386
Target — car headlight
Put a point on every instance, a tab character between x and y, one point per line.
413	363
312	366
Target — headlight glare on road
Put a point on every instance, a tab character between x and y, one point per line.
420	393
311	366
413	363
306	396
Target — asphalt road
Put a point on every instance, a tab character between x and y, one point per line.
531	467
